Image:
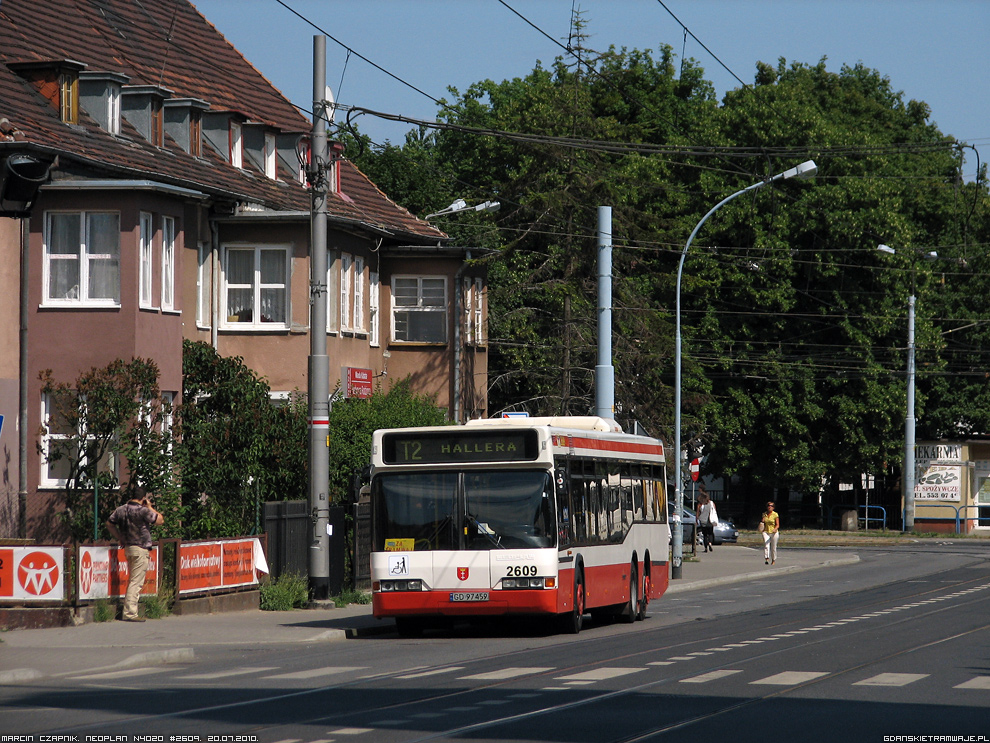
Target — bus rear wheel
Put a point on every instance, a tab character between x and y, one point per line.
645	600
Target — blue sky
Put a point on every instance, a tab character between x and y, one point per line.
932	50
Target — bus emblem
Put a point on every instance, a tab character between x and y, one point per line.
462	573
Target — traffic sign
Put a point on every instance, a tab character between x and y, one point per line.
695	469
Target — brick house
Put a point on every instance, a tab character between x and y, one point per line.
177	209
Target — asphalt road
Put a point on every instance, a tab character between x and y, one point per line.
895	645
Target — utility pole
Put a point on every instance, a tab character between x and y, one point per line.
604	372
909	422
318	387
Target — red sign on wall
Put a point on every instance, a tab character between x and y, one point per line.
205	566
32	573
357	382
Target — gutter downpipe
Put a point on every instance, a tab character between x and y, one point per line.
214	282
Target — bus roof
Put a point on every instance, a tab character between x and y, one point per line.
575	422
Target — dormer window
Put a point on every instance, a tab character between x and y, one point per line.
270	156
236	145
195	133
157	123
113	109
100	97
142	106
68	97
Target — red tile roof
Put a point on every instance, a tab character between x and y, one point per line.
167	43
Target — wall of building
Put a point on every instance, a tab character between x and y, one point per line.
10	261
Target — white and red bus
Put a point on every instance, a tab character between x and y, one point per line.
517	516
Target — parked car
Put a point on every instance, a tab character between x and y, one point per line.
725	531
689	521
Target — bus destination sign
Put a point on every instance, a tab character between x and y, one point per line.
459	446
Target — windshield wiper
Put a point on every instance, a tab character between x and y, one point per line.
483	529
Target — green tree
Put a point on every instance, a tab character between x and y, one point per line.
105	423
354	420
238	449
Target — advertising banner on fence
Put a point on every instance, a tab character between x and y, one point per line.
205	566
32	573
103	573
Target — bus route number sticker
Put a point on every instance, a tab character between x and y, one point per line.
464	596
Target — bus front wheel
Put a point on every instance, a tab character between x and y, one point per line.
574	619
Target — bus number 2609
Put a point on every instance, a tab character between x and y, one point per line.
519	571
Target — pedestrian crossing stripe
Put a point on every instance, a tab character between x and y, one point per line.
891	679
790	678
505	673
980	682
711	676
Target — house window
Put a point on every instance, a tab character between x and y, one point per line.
56	430
113	109
256	287
204	287
270	156
168	405
82	258
195	133
62	444
374	304
157	123
236	157
357	315
473	299
68	98
168	263
146	251
419	309
346	263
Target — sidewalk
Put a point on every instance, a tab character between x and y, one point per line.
60	651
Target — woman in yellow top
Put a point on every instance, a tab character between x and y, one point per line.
770	527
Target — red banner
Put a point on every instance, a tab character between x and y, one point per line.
205	566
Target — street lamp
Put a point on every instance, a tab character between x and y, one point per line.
909	420
806	169
461	205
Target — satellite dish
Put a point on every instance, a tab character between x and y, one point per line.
331	105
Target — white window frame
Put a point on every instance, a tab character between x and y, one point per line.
83	259
357	314
271	155
420	306
374	309
346	268
146	251
168	264
47	437
204	286
257	287
236	145
113	109
168	409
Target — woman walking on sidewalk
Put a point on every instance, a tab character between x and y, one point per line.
707	519
770	528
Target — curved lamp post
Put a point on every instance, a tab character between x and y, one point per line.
806	169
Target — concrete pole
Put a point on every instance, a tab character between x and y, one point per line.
318	388
909	469
604	371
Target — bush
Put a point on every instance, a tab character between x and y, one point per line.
104	611
351	596
287	592
159	605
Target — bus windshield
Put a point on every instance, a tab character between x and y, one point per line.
474	509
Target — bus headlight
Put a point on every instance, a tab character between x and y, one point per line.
511	583
401	585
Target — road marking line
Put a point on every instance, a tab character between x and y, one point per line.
505	673
682	657
979	682
599	674
891	679
314	672
434	672
119	674
351	731
661	663
232	672
790	678
710	676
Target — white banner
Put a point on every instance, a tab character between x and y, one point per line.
32	573
939	482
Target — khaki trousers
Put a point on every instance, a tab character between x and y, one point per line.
137	567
